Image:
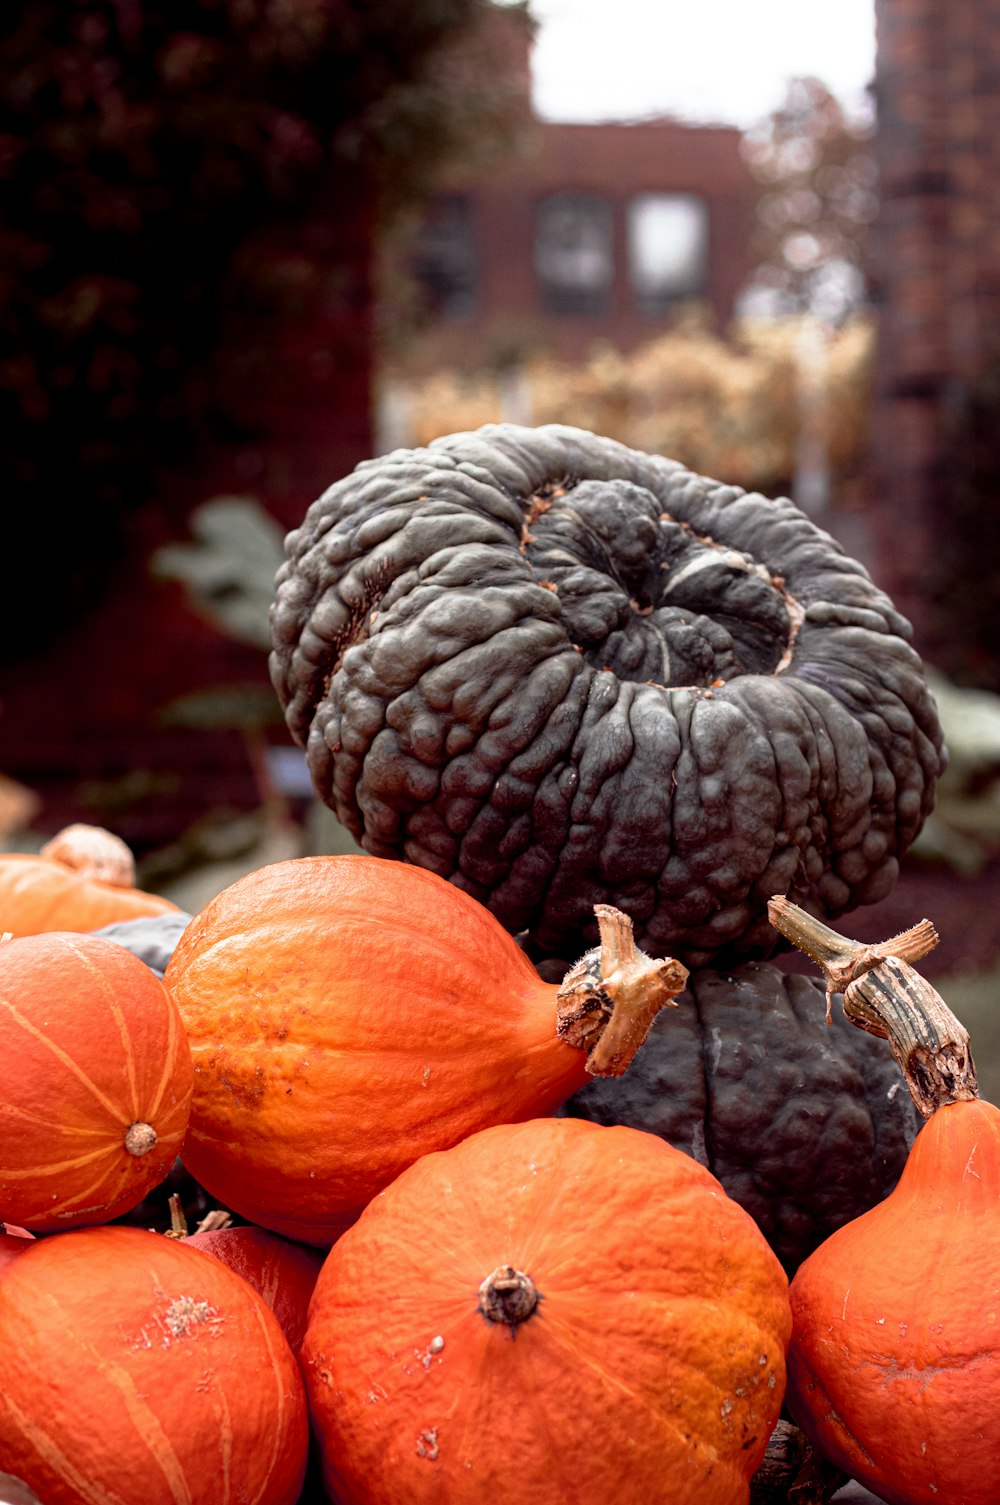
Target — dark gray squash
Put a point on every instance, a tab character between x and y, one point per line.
151	938
806	1125
560	672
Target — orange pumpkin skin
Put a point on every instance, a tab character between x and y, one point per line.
38	894
650	1372
282	1272
347	1015
101	1059
894	1367
136	1369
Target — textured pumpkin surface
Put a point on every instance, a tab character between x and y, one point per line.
894	1369
650	1372
140	1372
806	1125
92	1046
561	672
284	1273
345	1016
39	894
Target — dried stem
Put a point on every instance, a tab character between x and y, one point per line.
609	999
884	995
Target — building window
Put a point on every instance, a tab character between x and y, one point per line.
574	254
445	261
667	249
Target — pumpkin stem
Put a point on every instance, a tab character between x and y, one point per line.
140	1138
607	1002
840	959
886	996
178	1222
508	1296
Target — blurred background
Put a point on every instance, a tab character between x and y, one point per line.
247	244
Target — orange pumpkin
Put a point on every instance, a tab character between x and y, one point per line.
283	1272
81	880
550	1311
894	1366
97	1080
136	1369
894	1372
348	1014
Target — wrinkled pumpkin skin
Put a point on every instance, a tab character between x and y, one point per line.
806	1125
561	672
650	1372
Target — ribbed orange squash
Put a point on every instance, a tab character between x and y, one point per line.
82	879
141	1372
348	1014
551	1311
97	1079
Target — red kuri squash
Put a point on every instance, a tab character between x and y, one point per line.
139	1371
550	1311
348	1014
97	1080
894	1367
82	879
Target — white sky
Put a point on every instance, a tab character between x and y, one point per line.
718	61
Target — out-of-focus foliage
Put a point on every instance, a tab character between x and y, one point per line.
144	145
725	407
818	197
228	567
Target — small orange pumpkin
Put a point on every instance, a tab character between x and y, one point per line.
136	1369
894	1366
549	1311
80	880
348	1014
97	1080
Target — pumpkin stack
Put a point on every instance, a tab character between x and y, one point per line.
573	702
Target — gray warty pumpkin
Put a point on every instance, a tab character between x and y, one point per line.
560	672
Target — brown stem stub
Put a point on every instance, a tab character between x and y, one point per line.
885	996
609	999
140	1138
930	1044
508	1296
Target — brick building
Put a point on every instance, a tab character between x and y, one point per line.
937	280
581	233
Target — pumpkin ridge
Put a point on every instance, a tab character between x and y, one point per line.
64	1058
123	1385
53	1457
102	984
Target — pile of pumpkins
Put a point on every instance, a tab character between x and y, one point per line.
437	1290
